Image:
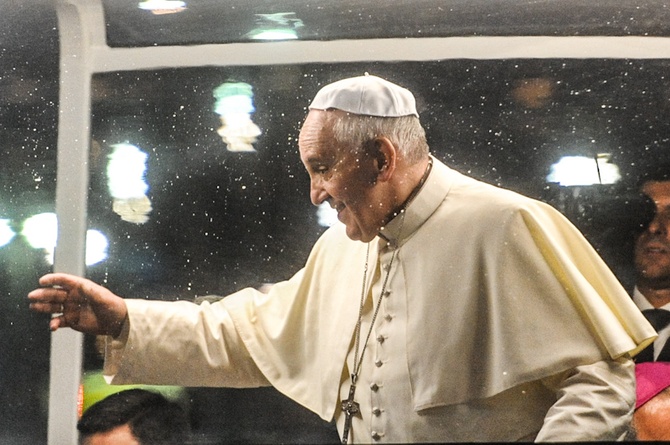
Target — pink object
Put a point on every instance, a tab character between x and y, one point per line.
651	378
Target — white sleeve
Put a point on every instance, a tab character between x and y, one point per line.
593	402
180	343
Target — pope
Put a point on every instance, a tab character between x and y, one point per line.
441	308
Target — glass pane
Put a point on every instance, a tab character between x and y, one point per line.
210	219
28	121
174	22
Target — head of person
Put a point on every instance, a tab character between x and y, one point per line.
134	417
365	151
652	245
651	419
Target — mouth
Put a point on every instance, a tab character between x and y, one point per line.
656	248
338	207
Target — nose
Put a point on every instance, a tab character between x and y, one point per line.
659	225
317	193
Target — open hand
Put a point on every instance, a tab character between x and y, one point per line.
79	304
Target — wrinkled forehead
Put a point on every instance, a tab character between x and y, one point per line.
316	135
315	127
317	143
321	120
318	127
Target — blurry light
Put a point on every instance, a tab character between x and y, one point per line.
273	34
134	210
582	170
96	247
234	98
326	215
125	180
534	92
6	232
234	103
278	26
125	172
159	7
41	232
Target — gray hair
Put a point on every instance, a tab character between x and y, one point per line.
406	133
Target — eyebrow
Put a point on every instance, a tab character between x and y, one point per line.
314	159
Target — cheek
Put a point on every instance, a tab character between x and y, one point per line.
638	246
640	241
349	187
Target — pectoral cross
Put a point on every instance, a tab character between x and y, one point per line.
351	409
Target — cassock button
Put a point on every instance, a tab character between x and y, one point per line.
374	387
380	339
376	412
376	436
387	293
379	363
388	317
386	267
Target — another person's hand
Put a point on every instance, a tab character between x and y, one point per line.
79	304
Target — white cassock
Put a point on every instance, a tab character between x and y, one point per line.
499	321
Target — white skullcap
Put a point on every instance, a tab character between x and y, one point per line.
366	95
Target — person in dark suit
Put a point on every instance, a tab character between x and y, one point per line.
652	265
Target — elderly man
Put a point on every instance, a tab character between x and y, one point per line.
441	309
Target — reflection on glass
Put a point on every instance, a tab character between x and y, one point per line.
277	26
218	21
580	170
534	92
41	232
234	103
159	7
6	232
125	179
96	247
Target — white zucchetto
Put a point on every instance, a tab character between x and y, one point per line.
366	95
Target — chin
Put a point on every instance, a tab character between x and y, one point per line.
354	236
357	235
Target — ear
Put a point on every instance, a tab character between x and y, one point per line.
385	158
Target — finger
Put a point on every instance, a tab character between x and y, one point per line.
48	295
56	323
57	308
48	308
41	307
63	280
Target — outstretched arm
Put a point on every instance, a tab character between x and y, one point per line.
79	304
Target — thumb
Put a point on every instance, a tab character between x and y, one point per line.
57	322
